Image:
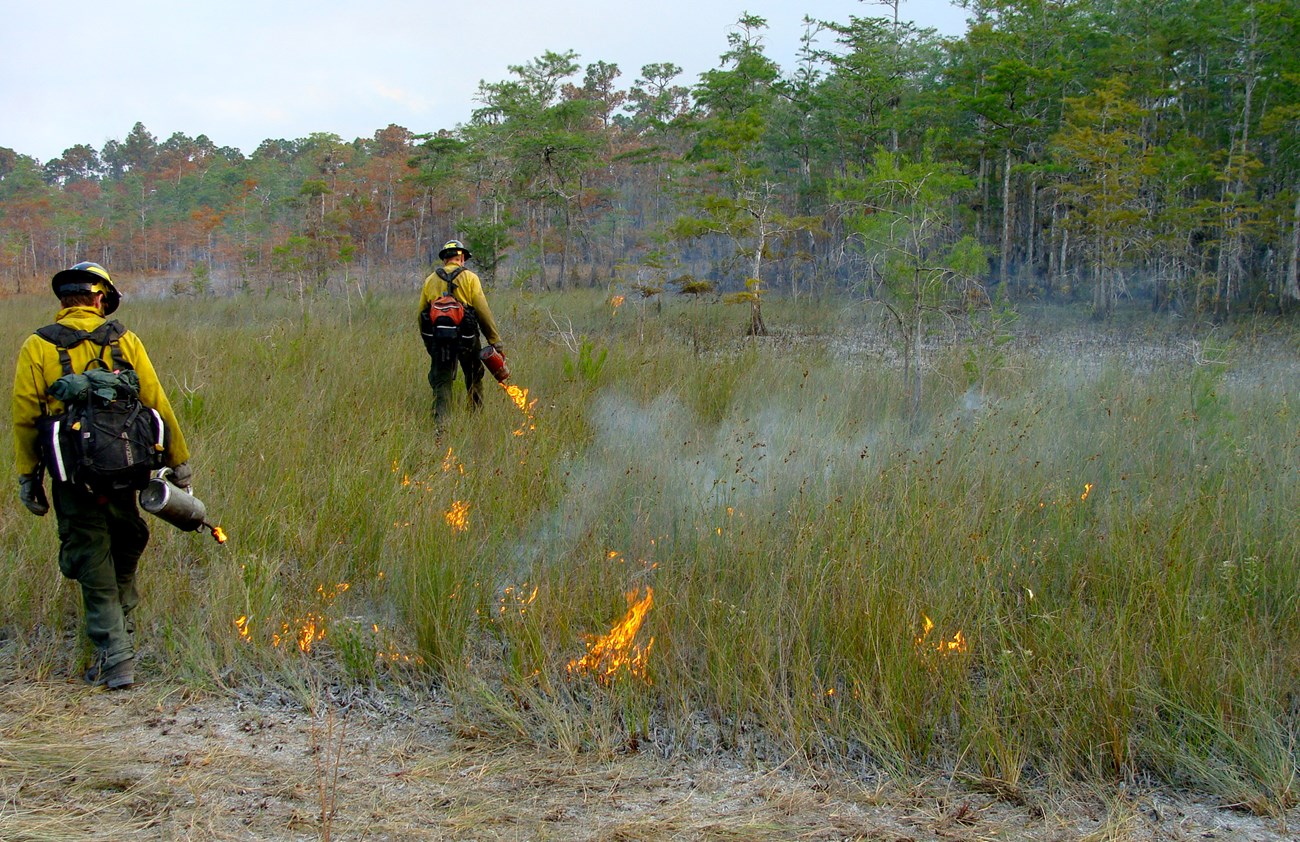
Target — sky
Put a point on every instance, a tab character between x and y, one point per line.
243	71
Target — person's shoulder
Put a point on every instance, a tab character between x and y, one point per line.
126	338
34	341
113	329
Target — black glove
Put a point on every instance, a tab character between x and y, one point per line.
31	490
182	476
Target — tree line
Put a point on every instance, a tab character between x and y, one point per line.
1093	150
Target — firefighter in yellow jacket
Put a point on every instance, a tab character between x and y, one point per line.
468	290
101	533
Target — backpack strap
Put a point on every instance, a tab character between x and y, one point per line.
106	335
449	277
112	332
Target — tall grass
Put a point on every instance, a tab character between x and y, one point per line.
1106	553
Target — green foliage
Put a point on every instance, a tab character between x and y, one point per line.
588	364
201	279
1093	173
689	285
1101	143
489	241
905	214
1209	413
992	334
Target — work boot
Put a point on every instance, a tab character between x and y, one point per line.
121	675
117	677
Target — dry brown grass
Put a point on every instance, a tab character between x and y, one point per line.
159	763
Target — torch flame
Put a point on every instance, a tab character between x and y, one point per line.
218	534
615	652
520	397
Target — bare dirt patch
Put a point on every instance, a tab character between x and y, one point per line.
159	762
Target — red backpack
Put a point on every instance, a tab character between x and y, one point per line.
448	323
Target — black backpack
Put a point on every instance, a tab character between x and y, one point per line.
448	326
105	438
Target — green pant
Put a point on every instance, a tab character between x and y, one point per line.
442	373
101	539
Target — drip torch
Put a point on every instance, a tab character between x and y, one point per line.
168	501
495	362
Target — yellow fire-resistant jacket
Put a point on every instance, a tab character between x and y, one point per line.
469	291
38	367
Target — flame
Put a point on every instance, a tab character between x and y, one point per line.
219	534
303	631
520	397
1087	489
308	630
927	625
387	652
616	301
957	643
332	593
515	600
449	464
615	652
458	516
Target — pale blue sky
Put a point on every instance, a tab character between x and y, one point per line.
241	71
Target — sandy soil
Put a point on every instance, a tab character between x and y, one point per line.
157	762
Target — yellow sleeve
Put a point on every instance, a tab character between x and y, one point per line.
486	321
427	293
28	400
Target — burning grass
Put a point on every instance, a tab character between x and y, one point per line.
1077	571
616	652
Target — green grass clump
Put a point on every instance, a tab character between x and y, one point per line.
1086	569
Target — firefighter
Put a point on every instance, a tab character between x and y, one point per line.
101	533
443	361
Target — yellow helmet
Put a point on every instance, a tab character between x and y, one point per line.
451	247
87	277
